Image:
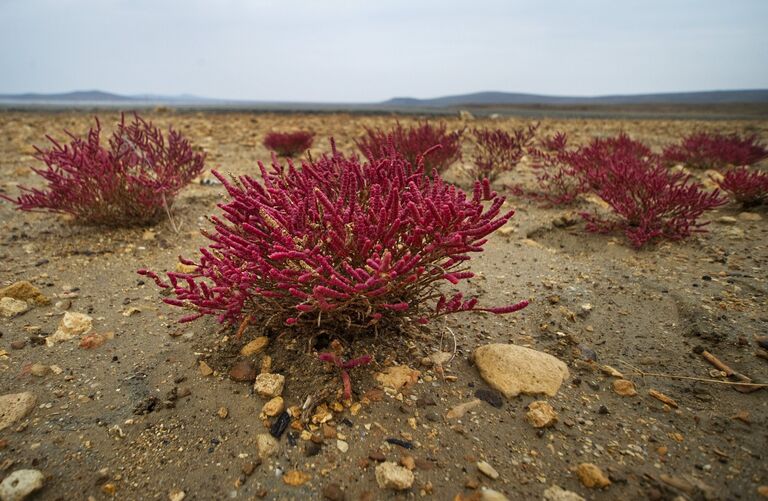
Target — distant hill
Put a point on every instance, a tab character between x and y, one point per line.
91	96
513	98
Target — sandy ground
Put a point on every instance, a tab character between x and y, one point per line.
136	419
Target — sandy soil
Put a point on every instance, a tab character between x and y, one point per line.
136	419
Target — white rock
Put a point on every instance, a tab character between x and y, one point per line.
71	326
557	493
15	406
20	484
267	445
392	476
269	385
10	307
514	369
487	470
342	445
176	495
487	494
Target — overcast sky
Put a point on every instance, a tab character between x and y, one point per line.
334	50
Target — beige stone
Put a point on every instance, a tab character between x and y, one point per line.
398	377
269	385
14	407
255	347
390	475
541	415
25	291
592	476
514	369
273	407
10	307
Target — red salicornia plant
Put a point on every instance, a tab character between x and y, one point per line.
499	151
339	243
289	144
649	201
559	182
414	143
703	150
747	187
343	366
132	181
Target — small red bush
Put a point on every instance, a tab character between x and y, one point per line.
715	151
749	188
649	202
132	182
414	143
339	243
289	144
560	183
498	151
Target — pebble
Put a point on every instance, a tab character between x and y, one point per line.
274	407
20	484
205	369
541	415
750	216
592	476
727	220
392	476
269	385
312	448
487	494
458	411
243	371
487	470
515	369
267	445
14	407
333	492
176	495
255	347
624	388
557	493
223	412
342	446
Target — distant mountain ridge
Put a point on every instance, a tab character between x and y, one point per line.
515	98
491	98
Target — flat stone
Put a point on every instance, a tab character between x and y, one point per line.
750	216
10	307
392	476
624	387
20	484
514	369
333	492
269	385
25	291
255	347
557	493
14	407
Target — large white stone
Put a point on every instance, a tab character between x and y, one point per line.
392	476
514	369
20	484
15	406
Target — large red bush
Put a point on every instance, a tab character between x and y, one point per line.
414	143
498	151
289	144
133	181
704	150
748	187
339	242
649	202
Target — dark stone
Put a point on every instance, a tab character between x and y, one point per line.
312	448
493	397
333	492
281	423
401	443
